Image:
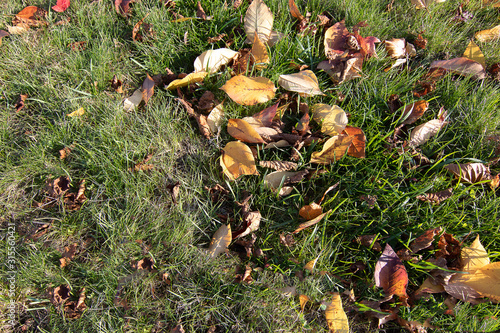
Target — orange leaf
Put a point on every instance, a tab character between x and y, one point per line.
390	274
148	87
237	159
311	211
241	130
294	10
357	148
249	90
220	241
309	223
414	111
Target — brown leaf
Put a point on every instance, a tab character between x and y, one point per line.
148	87
31	16
370	200
357	148
462	66
312	222
178	329
294	10
335	40
143	166
449	248
471	173
117	85
249	90
20	102
251	223
279	165
370	241
145	264
422	133
287	240
241	130
429	286
436	198
259	53
200	119
59	295
414	111
220	241
425	240
258	18
420	42
174	191
122	7
390	274
237	159
136	36
3	33
68	254
311	211
200	12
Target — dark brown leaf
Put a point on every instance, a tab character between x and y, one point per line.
200	13
450	249
68	254
122	7
200	119
174	191
420	42
370	200
436	198
20	102
116	85
370	241
143	166
136	36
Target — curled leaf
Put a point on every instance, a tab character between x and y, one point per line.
414	111
462	66
220	241
422	133
187	80
215	119
211	61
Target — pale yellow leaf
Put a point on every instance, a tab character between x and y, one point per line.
333	150
249	90
422	133
486	35
211	61
241	130
473	52
486	281
474	256
215	119
259	52
258	19
187	80
238	160
396	47
220	241
304	82
130	103
333	119
77	113
335	316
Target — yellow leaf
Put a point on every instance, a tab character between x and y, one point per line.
333	119
312	222
220	241
488	35
333	150
486	281
183	19
211	60
259	52
303	299
187	80
336	317
215	119
473	52
258	19
249	90
241	130
76	113
238	160
304	82
474	257
311	264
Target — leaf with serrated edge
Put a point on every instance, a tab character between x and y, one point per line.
211	61
238	160
470	172
187	80
304	82
258	19
335	316
241	130
220	241
249	90
333	119
473	52
474	256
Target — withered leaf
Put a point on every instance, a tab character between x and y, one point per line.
335	316
212	60
471	173
425	240
462	66
488	35
436	198
414	111
311	211
148	87
117	85
474	256
370	241
251	223
3	33
258	18
390	274
312	222
357	147
241	130
220	241
303	82
68	254
279	165
136	36
335	40
20	102
333	150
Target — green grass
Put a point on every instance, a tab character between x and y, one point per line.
130	216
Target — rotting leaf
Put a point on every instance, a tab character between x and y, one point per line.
200	12
220	241
335	316
241	130
311	222
174	191
258	18
436	198
122	7
237	159
471	173
249	90
143	166
303	82
390	274
148	87
68	254
425	240
212	60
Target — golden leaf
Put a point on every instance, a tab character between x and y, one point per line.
310	265
237	159
77	113
249	90
241	130
187	80
259	52
333	150
220	241
304	82
258	19
309	223
303	299
473	52
333	119
488	35
335	316
311	211
474	256
486	281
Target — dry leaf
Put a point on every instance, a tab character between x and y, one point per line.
215	119
258	19
241	130
486	281
187	80
335	316
470	172
390	274
303	299
396	47
279	165
249	90
274	180
304	82
370	241
251	223
78	113
473	52
333	119
116	84
122	7
414	111
259	53
130	103
200	13
488	35
311	211
422	133
3	33
220	241
312	222
294	10
31	16
474	257
135	31
68	254
61	6
200	118
333	150
148	87
420	4
462	66
436	198
310	265
335	40
237	159
77	46
429	287
212	60
357	147
425	240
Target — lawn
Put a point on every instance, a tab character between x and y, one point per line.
113	209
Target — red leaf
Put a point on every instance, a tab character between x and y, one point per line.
390	274
61	6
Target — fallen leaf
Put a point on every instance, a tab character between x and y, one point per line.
241	130
68	254
429	286
332	119
342	70
462	66
187	80
486	281
414	111
436	198
215	119
474	257
3	33
473	52
370	241
145	264
421	42
287	240
237	159
303	82
249	90
303	299
220	241
396	47
266	116
258	19
251	223
212	60
143	166
64	153
177	329
311	222
200	13
200	118
425	240
422	133
78	113
117	85
310	265
274	180
20	102
294	10
488	35
130	103
122	7
61	6
335	40
470	172
31	16
279	165
135	31
333	150
357	147
449	248
148	87
335	316
311	211
77	46
420	4
390	274
259	53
